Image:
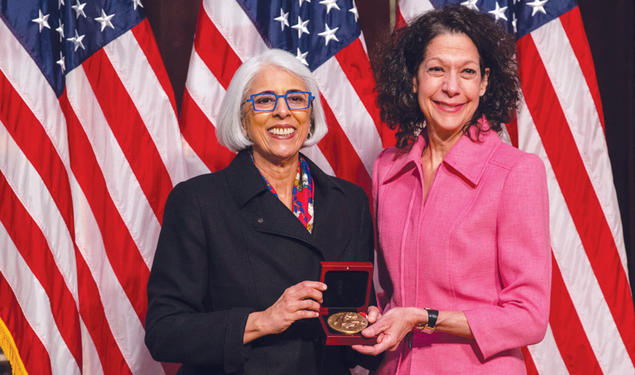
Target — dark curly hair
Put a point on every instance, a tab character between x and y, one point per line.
401	55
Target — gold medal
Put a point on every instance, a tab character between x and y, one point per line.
347	322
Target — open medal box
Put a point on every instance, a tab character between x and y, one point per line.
348	289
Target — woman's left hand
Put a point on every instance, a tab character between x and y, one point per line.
391	328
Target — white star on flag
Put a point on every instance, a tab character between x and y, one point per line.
301	1
538	6
302	56
42	20
60	30
471	4
499	13
283	18
329	34
104	20
77	40
79	9
354	11
136	3
301	27
330	4
61	62
59	4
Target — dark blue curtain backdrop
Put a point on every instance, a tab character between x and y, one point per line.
609	28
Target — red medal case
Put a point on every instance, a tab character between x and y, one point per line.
348	289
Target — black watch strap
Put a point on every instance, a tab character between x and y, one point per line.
433	315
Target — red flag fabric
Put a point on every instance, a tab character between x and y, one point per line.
592	322
89	149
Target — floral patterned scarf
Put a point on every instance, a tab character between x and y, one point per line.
302	194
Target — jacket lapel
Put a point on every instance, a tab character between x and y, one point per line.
261	208
268	215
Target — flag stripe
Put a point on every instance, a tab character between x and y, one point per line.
129	130
201	105
91	364
568	333
546	355
53	266
361	77
235	27
572	24
30	138
33	247
193	163
529	363
121	250
409	10
121	183
144	36
353	120
201	136
118	315
577	105
132	67
595	317
35	304
400	21
214	50
340	153
90	305
576	187
34	356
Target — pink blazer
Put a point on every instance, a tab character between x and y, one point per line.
478	244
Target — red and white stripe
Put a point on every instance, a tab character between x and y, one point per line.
83	181
592	323
225	38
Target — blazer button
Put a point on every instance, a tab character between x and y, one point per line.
260	220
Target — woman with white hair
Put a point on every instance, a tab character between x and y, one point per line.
233	287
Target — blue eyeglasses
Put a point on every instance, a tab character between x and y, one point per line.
267	101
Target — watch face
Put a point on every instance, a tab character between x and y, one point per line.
347	322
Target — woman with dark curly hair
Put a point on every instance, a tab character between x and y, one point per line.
461	217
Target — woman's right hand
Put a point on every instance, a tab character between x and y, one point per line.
300	301
391	328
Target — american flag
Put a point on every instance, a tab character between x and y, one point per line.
89	150
592	322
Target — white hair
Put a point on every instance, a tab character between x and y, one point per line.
229	130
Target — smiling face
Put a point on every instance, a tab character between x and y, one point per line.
277	135
449	83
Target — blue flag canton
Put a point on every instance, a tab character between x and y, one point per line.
519	17
61	34
312	30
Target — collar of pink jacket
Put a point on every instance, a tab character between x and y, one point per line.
466	157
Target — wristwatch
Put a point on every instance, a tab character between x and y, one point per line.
432	321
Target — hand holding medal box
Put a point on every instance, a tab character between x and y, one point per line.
345	302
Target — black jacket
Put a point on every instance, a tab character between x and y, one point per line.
229	247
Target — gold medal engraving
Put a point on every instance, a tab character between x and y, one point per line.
347	322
